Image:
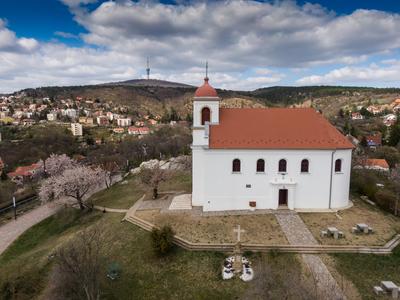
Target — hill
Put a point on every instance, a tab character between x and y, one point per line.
149	83
158	96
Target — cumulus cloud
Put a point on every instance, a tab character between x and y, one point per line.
387	74
245	43
243	33
10	43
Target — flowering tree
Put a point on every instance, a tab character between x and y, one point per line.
75	183
57	164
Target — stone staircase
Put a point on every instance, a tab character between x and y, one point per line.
181	202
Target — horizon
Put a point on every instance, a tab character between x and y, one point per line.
261	44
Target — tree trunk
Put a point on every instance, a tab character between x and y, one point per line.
155	192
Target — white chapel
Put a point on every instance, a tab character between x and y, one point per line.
268	158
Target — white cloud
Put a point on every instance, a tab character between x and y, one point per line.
244	41
10	43
387	75
66	35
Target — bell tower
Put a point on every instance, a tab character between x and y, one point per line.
205	112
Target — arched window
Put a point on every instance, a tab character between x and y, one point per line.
338	165
205	115
236	165
260	165
282	166
304	166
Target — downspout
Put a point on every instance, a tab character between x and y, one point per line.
331	178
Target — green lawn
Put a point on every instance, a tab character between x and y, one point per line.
181	181
368	270
25	266
120	195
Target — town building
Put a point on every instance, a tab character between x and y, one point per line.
76	129
124	122
356	116
102	120
23	173
266	158
52	116
376	164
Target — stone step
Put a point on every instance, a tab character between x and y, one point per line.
181	202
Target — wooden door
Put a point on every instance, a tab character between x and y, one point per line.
283	197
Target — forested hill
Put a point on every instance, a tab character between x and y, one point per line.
157	96
291	95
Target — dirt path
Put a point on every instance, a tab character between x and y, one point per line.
297	233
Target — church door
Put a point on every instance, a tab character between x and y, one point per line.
283	197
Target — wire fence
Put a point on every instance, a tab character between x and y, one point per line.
17	204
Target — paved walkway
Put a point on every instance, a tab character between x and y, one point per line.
297	233
10	231
13	229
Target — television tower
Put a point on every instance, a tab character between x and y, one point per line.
148	69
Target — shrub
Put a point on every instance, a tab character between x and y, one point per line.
385	199
162	239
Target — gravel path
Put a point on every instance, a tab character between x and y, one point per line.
297	233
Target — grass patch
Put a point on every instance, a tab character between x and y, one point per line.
25	264
121	195
368	270
384	224
180	181
259	229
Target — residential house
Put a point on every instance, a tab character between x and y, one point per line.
119	130
374	140
374	109
138	130
25	172
102	120
52	116
376	164
356	116
124	122
389	120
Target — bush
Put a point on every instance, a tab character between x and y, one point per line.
162	239
385	199
364	183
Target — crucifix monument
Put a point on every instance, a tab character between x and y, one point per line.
237	264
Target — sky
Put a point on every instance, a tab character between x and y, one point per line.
248	44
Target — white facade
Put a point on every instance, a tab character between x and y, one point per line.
217	188
124	122
76	129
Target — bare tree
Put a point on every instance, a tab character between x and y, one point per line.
395	177
79	268
152	177
75	183
110	168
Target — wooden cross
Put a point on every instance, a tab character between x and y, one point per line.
238	231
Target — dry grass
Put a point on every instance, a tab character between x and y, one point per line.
259	229
384	225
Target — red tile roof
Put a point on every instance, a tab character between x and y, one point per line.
206	90
376	162
275	128
25	171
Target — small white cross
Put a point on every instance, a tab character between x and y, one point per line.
238	231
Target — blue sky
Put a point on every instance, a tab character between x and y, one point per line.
248	44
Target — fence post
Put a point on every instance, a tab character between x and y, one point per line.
15	208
